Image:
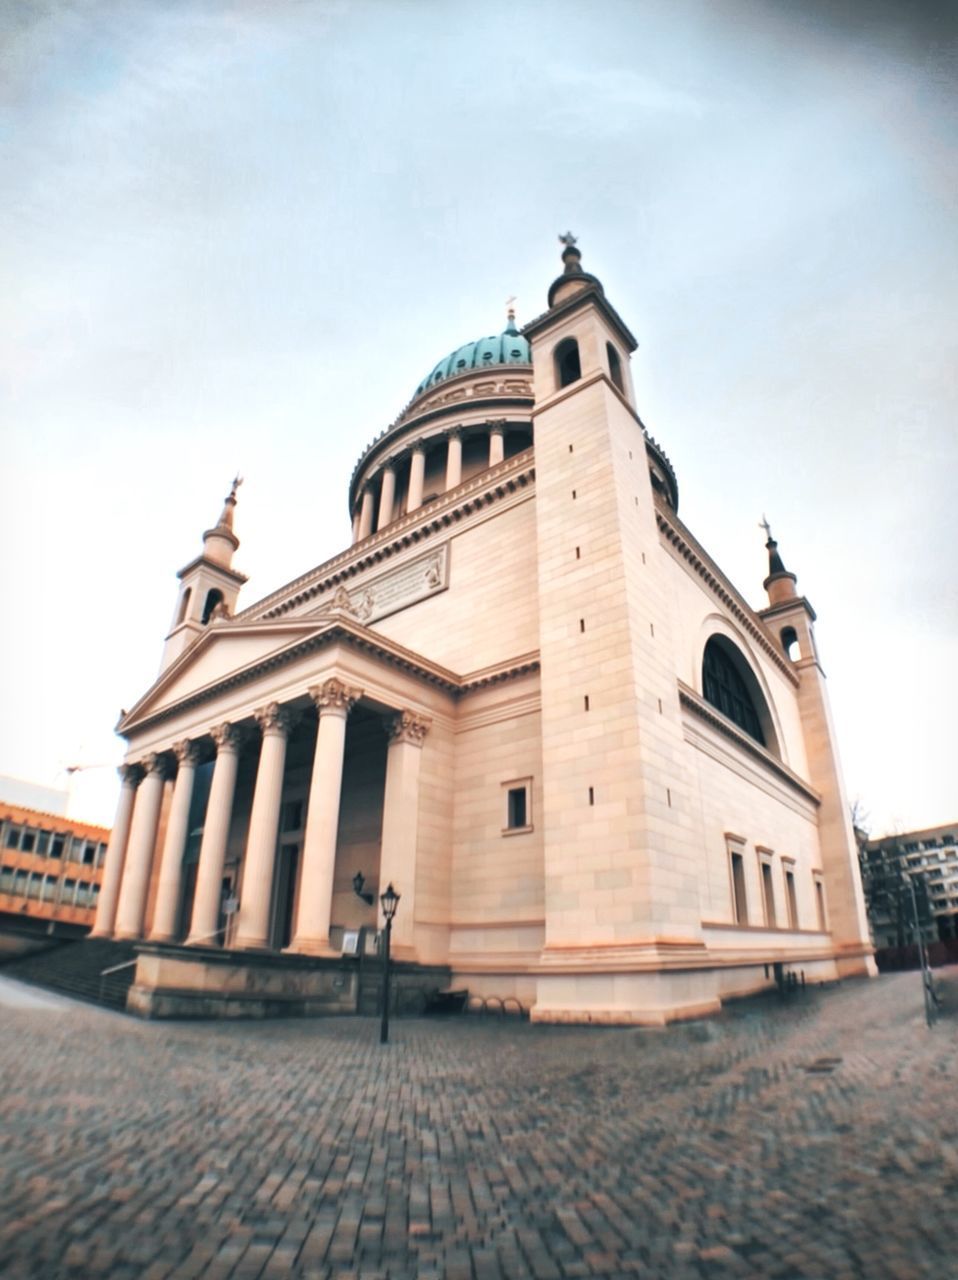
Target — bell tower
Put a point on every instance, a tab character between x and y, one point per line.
791	616
210	585
621	865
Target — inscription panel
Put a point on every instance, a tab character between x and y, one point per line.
393	590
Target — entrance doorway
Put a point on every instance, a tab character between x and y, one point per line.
284	904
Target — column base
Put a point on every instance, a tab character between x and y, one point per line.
126	937
205	942
311	947
250	944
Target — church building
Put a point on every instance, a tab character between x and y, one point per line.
601	782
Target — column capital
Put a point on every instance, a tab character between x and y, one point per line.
274	718
454	433
417	446
333	695
408	726
187	752
130	774
158	763
227	737
389	465
496	426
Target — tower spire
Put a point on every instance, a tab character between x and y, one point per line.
220	542
780	584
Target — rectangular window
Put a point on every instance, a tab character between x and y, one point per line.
739	900
89	853
518	805
6	879
43	842
768	892
28	841
13	837
49	890
820	904
56	848
33	884
68	892
791	898
20	882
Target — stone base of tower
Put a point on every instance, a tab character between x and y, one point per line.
655	999
625	999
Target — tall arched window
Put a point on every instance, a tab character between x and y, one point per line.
213	598
615	367
725	687
184	605
567	366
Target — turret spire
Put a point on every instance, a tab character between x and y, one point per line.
220	542
780	584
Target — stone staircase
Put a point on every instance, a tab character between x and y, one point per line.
74	968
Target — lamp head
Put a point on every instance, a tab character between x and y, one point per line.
390	901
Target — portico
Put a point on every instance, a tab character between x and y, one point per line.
242	836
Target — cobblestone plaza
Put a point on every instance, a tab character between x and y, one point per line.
815	1138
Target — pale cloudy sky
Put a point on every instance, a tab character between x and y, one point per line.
236	235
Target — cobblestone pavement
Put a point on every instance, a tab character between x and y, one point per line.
812	1139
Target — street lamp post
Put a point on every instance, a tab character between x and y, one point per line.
389	901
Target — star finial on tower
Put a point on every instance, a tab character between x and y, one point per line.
237	481
763	524
569	240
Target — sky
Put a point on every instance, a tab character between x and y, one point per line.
235	236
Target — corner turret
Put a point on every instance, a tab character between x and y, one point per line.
210	583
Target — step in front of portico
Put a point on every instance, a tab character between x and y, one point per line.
209	982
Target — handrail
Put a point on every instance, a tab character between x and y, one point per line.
127	964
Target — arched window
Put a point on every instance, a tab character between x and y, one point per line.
789	638
725	687
213	597
184	605
567	366
615	367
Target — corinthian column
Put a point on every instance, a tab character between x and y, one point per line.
397	859
130	775
139	853
387	494
333	701
417	474
453	457
216	830
496	449
174	846
366	514
252	929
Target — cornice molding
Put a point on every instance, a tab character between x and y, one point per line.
339	630
676	534
691	701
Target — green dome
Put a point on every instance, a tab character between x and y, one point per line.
509	347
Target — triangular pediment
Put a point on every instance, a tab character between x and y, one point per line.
225	650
